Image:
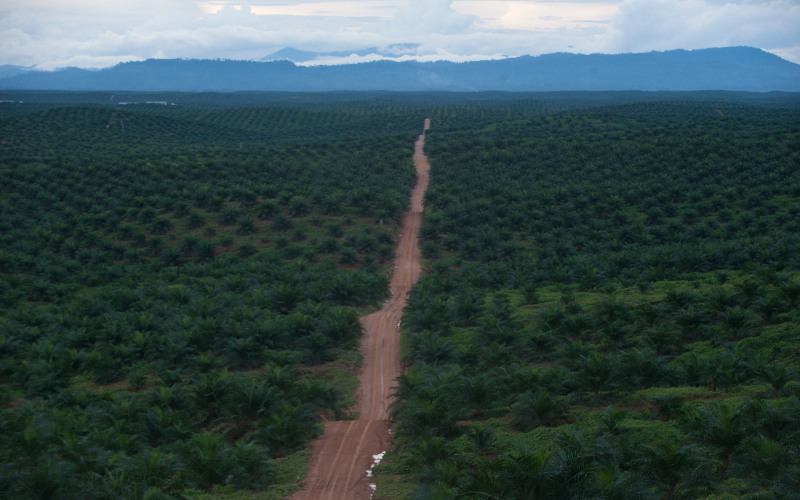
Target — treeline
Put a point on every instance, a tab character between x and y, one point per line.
610	308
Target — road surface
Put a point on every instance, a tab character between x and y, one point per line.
343	454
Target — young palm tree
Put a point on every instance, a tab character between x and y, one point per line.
284	297
341	325
426	417
255	469
610	419
672	467
482	437
211	390
155	468
642	368
478	392
243	352
246	226
597	372
533	409
50	478
530	473
430	348
316	348
777	374
160	225
694	369
790	291
722	427
208	461
762	458
614	483
195	220
252	398
281	376
284	430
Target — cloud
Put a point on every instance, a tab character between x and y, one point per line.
788	53
643	25
94	33
87	62
419	17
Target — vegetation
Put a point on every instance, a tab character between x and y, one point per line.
180	290
610	307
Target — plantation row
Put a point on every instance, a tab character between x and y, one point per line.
610	308
180	291
80	209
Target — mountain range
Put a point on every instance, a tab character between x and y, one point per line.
305	56
729	68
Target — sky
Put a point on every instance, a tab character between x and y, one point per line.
51	34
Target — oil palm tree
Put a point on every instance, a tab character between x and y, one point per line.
522	473
722	427
777	374
672	467
430	348
208	461
287	428
478	392
597	372
535	408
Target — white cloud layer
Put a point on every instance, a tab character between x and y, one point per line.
49	34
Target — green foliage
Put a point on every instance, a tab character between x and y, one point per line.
153	309
635	258
609	308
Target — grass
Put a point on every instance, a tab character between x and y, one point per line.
391	483
343	378
289	471
780	340
392	487
686	393
650	431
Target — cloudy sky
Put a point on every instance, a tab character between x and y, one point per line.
49	34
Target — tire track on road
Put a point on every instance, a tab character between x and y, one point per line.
343	454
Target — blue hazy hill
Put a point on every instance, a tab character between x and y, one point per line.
731	68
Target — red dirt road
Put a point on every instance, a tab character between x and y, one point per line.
343	454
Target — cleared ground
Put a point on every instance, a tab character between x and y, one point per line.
342	455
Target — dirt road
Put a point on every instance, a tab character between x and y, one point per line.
343	454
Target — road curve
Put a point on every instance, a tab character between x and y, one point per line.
343	454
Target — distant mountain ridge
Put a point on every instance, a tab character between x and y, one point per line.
731	68
8	70
304	56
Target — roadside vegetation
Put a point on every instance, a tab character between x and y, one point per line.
180	289
609	308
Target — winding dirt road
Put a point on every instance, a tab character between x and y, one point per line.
343	454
